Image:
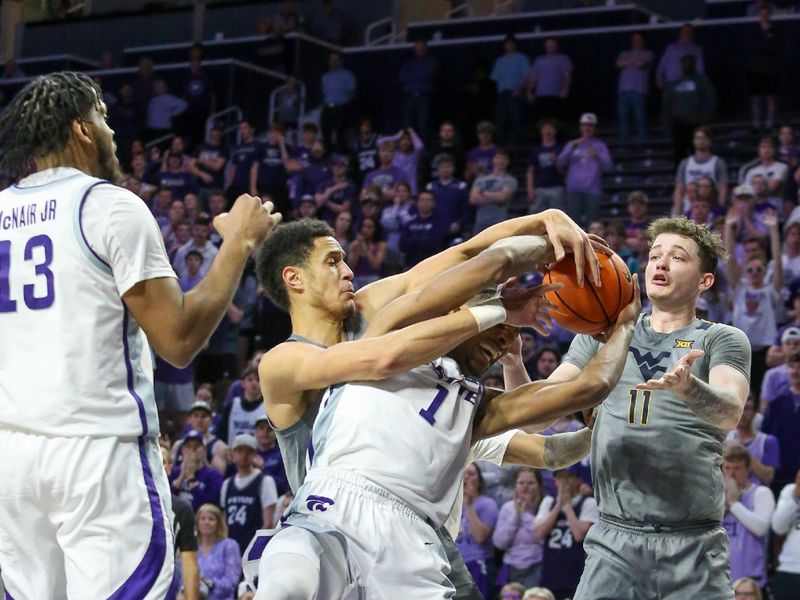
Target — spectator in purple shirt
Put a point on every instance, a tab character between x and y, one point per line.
669	67
386	176
584	161
409	148
634	67
514	531
478	518
218	556
315	172
479	159
176	178
549	81
452	197
545	181
782	419
417	78
765	454
194	480
776	379
424	235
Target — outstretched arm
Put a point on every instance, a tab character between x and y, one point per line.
562	232
546	400
548	451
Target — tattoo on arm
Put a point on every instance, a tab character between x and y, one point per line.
565	449
715	405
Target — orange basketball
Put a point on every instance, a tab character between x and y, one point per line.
590	309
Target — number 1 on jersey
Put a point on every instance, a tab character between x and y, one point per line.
645	415
428	413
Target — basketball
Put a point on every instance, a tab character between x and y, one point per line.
589	309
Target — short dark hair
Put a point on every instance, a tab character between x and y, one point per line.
249	370
289	244
194	253
38	120
735	452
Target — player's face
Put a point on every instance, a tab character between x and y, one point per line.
200	420
330	280
673	272
107	163
736	470
479	353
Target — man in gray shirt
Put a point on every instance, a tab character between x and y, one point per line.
492	192
658	439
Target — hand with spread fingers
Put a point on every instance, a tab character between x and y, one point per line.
528	307
564	234
679	379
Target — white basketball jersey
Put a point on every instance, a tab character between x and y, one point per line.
73	361
409	434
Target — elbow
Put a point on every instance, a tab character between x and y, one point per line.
593	390
179	356
388	363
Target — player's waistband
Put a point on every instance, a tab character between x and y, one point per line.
645	527
363	485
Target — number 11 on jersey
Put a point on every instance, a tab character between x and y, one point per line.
645	414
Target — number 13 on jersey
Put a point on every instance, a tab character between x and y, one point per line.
43	246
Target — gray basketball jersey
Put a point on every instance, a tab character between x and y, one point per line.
295	440
653	460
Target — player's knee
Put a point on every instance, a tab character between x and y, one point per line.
288	576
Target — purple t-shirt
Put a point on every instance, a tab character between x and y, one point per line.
551	71
634	79
482	158
487	512
384	178
669	67
203	489
514	534
583	169
776	382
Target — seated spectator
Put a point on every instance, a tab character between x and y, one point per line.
479	159
187	575
242	413
342	229
209	161
756	298
268	172
762	447
161	110
249	497
386	176
409	149
367	253
492	192
478	518
424	235
538	593
776	379
396	215
584	160
365	151
561	525
782	419
194	480
176	178
514	531
201	420
162	200
268	454
774	172
336	194
452	197
545	181
447	143
748	512
176	215
200	243
786	521
218	556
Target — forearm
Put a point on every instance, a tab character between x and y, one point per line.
755	523
576	526
564	449
783	519
191	576
545	526
480	530
515	375
506	529
717	406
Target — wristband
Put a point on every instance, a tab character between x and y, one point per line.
488	315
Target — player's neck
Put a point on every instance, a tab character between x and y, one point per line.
667	321
66	158
318	327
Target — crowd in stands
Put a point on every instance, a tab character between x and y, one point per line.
396	198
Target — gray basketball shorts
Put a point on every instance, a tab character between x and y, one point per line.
634	563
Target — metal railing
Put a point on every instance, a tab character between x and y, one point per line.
382	23
273	97
217	116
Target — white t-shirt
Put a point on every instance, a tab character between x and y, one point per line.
786	521
73	360
754	312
